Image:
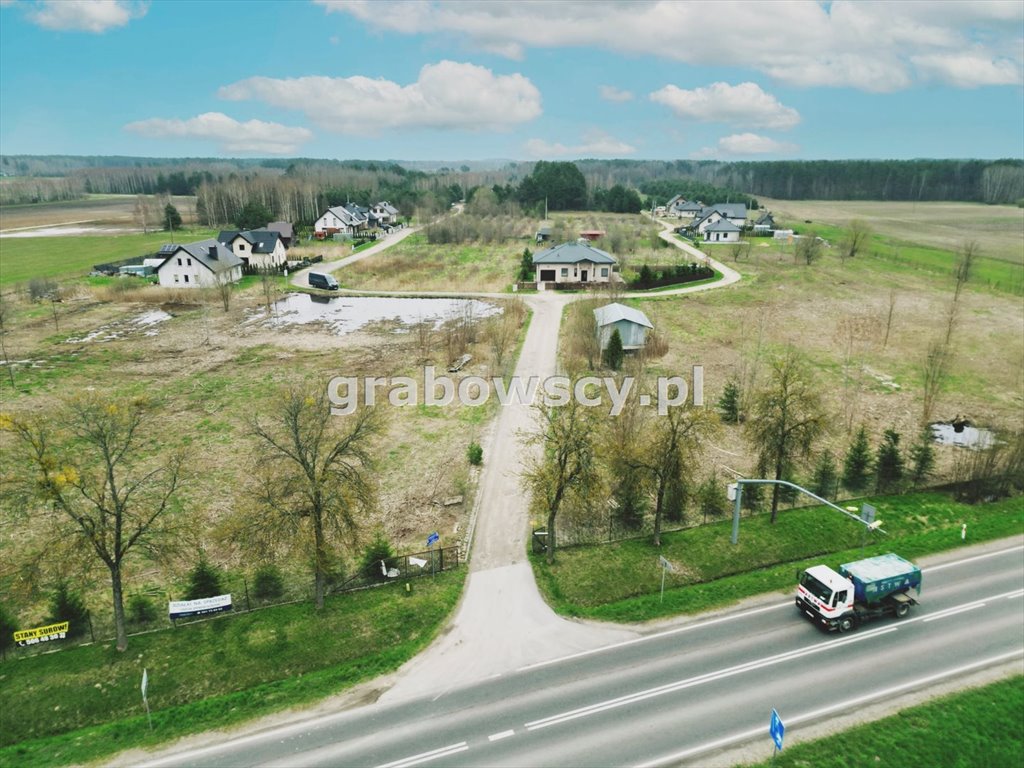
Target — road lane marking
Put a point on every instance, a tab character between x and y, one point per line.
1018	593
952	612
974	559
678	685
656	636
426	757
502	735
791	720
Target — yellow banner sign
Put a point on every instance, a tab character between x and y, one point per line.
42	634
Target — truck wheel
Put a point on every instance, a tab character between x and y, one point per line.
902	609
845	624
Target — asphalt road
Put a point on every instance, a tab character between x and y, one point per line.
676	696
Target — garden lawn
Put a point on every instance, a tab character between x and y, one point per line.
980	727
80	704
621	581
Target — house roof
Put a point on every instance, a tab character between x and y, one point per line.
346	216
262	240
766	218
572	253
691	205
388	207
673	201
545	231
730	210
722	225
612	313
283	228
200	251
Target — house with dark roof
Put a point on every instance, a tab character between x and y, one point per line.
385	214
203	264
632	325
257	248
685	209
765	223
338	220
578	262
722	231
285	230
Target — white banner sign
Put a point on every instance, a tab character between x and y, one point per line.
180	609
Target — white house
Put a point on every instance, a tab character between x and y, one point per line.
338	219
204	264
577	262
722	231
385	213
632	325
257	248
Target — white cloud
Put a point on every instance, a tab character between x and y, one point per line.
85	15
611	93
743	104
747	144
968	70
594	144
447	95
251	137
864	44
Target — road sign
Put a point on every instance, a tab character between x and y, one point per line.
433	539
145	682
665	564
867	513
777	729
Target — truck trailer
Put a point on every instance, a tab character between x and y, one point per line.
858	592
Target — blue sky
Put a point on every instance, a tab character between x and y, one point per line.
474	80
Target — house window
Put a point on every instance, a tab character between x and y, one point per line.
565	271
186	278
241	246
179	262
189	262
604	271
175	278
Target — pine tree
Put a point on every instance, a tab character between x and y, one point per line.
922	459
729	403
825	475
613	353
204	581
8	626
67	605
172	219
889	463
526	266
857	465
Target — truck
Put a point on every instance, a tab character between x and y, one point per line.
858	592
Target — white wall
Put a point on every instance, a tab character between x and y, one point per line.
572	272
173	275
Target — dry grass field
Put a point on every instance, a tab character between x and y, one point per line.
998	229
96	211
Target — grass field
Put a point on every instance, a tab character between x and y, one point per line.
23	258
979	727
93	210
82	704
620	581
998	229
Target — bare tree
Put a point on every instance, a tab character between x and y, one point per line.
224	288
856	239
808	249
888	318
934	373
89	472
313	475
566	470
582	346
786	419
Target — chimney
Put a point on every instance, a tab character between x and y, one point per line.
213	251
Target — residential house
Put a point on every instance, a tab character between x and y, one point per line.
544	233
592	234
722	231
577	262
765	223
632	325
362	216
685	209
202	264
385	213
285	231
258	248
337	220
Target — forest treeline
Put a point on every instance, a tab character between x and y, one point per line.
299	189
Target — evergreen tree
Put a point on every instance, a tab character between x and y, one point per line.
823	482
922	459
377	551
67	605
253	216
172	219
711	498
630	499
204	581
267	582
857	464
526	266
613	353
729	403
889	464
676	494
8	626
752	497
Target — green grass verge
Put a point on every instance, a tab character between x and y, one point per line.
621	581
84	703
979	727
24	258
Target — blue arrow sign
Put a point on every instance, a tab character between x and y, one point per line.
777	729
433	539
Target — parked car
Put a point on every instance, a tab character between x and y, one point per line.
320	280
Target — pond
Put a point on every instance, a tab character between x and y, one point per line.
963	435
345	314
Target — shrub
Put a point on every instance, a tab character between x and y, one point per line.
67	605
614	353
267	583
378	549
204	581
141	610
8	626
475	453
41	288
